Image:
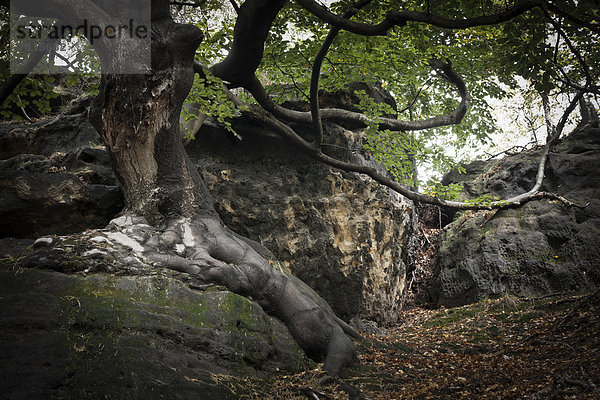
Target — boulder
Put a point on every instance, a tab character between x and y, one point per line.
540	248
47	136
83	318
344	235
55	176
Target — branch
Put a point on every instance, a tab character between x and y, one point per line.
259	114
550	128
445	69
512	151
183	3
256	17
573	49
401	18
254	21
65	60
567	81
578	21
315	109
595	89
290	75
415	98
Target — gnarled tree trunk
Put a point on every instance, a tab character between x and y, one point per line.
138	117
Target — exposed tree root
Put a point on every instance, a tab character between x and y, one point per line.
211	253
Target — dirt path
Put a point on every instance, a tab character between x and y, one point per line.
502	349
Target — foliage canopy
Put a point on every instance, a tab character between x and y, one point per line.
546	50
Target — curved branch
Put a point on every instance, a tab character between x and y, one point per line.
569	82
290	75
573	49
401	18
258	113
254	21
445	69
315	109
595	27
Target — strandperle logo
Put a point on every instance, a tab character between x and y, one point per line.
119	43
86	29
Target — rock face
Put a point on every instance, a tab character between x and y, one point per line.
55	177
84	319
56	195
540	248
346	237
48	136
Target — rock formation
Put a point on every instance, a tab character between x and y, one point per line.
345	236
81	317
81	310
540	248
55	176
62	193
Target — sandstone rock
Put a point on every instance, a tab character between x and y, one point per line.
344	235
55	178
86	319
540	248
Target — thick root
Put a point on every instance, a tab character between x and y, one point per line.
206	249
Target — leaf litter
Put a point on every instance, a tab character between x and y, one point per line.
508	348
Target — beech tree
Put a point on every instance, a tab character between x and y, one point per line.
137	115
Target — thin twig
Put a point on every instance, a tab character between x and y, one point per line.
23	109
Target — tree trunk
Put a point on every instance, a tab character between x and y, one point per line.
140	126
138	117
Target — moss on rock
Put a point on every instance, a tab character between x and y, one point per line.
106	336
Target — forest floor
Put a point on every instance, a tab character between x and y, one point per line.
510	348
